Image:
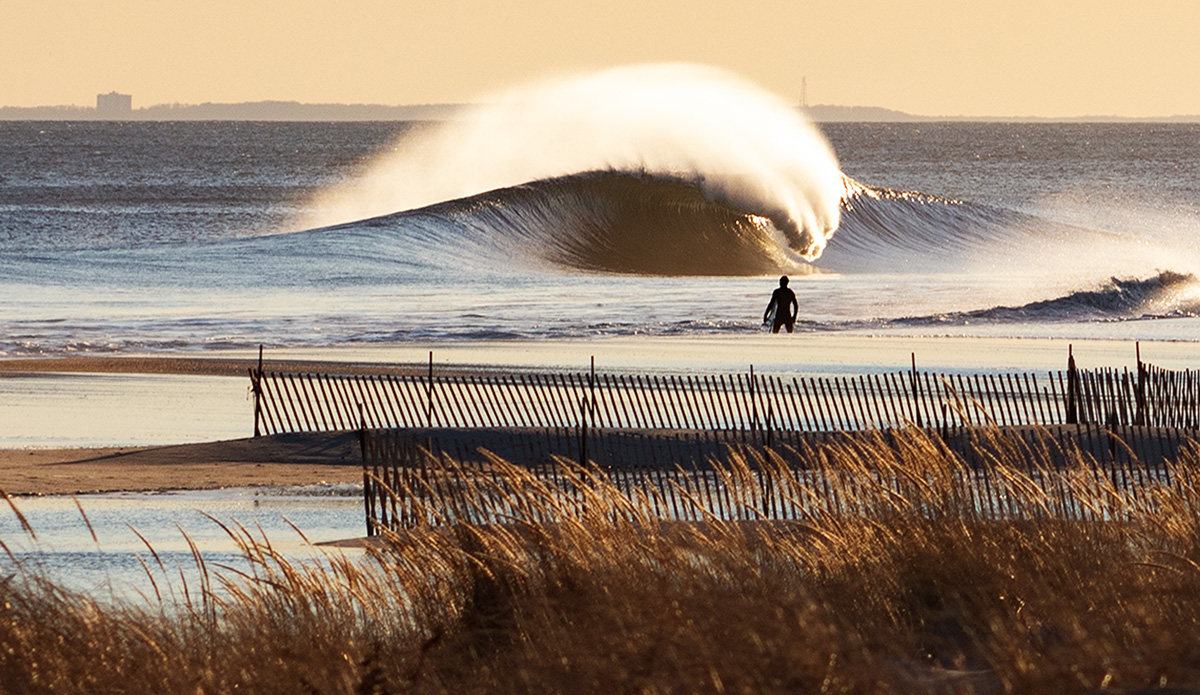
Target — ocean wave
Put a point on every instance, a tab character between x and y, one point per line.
609	222
735	141
1165	295
887	230
642	223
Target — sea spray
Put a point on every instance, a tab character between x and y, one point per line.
741	145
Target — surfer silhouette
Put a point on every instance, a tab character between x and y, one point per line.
783	308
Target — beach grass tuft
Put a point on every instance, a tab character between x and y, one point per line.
910	590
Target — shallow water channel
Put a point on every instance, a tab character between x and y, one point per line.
115	561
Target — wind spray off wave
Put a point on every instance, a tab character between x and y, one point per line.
742	146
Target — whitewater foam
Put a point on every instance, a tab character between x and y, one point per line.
743	146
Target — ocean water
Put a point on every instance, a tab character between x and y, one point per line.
199	236
137	547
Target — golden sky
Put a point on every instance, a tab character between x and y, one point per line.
928	57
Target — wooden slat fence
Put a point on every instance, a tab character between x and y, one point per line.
1169	398
1082	472
304	402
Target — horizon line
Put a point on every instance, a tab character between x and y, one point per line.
445	111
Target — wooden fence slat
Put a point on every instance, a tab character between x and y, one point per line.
289	409
272	424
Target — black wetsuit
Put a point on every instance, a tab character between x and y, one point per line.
783	299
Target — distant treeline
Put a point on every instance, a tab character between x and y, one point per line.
296	111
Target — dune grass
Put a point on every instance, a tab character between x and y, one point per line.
911	592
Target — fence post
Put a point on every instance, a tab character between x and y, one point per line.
917	400
583	431
429	394
1072	388
257	383
1139	389
368	486
753	405
587	409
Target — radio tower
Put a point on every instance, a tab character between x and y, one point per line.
804	92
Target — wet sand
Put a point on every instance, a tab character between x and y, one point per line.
810	353
230	366
289	459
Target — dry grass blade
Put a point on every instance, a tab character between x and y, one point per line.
87	522
25	526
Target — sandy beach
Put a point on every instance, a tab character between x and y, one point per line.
286	460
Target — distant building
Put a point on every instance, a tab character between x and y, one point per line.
114	105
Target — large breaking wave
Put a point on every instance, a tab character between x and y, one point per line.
597	222
738	144
653	224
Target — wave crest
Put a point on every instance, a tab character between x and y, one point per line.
739	144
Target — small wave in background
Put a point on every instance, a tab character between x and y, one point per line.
1162	296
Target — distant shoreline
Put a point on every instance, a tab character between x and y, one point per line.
290	111
252	111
